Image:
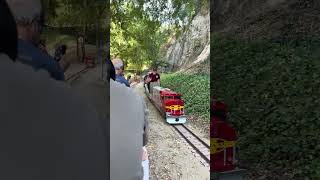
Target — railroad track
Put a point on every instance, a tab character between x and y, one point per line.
202	148
76	75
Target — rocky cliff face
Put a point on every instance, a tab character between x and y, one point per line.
266	19
192	47
244	19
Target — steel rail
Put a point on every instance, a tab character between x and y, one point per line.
77	74
188	139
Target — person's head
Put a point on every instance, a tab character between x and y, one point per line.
29	19
42	42
8	32
154	69
63	49
137	79
118	66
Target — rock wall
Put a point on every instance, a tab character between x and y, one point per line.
192	47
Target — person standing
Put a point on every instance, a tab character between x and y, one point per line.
30	20
154	79
154	75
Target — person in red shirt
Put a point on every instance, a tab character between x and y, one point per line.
154	75
154	78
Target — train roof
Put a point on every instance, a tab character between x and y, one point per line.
166	91
169	93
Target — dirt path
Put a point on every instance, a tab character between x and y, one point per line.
171	158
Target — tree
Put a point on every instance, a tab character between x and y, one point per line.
138	31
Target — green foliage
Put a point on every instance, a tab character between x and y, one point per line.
80	15
49	7
134	36
195	91
138	30
272	90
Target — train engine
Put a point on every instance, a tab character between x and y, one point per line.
223	139
169	103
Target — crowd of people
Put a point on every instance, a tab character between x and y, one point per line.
48	131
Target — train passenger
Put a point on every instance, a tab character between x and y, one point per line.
119	67
128	77
147	82
126	132
29	19
60	57
60	52
134	81
47	131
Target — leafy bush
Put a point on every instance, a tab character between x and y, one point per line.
272	90
194	90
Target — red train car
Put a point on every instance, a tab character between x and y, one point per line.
223	139
169	103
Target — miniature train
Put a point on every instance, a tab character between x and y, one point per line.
168	102
223	139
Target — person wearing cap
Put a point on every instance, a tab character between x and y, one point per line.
29	19
47	131
119	67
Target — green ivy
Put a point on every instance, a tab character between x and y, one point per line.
194	89
272	90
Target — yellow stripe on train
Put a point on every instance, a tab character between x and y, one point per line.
174	107
218	145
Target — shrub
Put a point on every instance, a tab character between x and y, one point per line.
195	91
272	90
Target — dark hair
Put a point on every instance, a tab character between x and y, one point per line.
8	31
63	49
110	69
